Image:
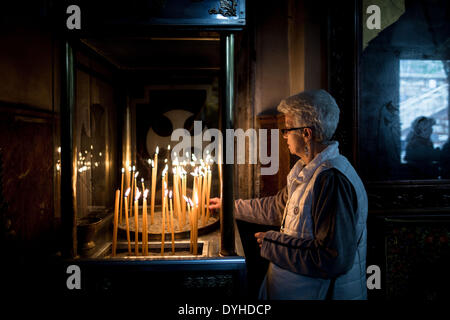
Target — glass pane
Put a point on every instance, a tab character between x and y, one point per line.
423	105
404	92
95	138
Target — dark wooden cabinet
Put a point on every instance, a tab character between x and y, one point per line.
270	184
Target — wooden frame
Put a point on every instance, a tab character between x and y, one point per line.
390	197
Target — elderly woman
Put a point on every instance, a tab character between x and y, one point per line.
320	250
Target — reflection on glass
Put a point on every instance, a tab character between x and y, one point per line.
424	92
404	98
91	162
421	155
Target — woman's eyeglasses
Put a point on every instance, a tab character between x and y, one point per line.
285	131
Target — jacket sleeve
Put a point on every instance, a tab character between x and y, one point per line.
266	210
332	250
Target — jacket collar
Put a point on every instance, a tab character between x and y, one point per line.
301	173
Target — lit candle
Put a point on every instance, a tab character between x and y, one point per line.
163	218
127	193
188	201
179	191
136	222
116	218
152	201
129	179
132	190
171	223
135	182
208	193
144	225
121	195
154	173
195	223
168	155
199	191
204	186
143	185
183	192
219	167
176	196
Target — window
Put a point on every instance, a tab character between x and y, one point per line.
423	93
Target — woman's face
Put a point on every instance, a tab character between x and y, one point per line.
294	138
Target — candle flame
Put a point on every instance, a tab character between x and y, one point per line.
59	149
134	168
145	193
123	170
137	173
186	199
153	163
142	179
194	158
157	149
168	147
170	194
129	168
127	193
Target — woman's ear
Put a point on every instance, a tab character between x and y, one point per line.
307	134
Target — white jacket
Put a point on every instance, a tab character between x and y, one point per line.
288	248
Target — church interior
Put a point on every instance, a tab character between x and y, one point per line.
91	95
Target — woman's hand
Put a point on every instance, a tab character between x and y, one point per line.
260	237
215	203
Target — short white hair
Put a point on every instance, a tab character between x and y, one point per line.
316	109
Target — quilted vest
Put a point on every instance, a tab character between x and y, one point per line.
297	222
